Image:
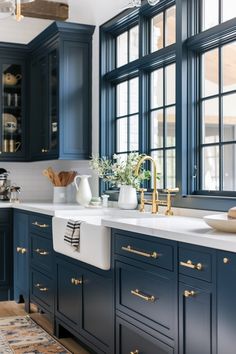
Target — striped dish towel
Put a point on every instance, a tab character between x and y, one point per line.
72	233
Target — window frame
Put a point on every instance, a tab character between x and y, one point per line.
190	42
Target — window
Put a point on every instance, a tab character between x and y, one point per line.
216	11
218	118
127	46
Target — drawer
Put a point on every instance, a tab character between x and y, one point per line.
196	263
42	289
41	252
150	298
151	252
132	339
41	225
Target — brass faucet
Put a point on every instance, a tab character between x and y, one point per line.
155	202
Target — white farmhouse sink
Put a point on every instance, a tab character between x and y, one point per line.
95	239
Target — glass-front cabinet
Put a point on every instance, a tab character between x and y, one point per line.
12	127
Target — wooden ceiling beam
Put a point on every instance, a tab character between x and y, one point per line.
50	10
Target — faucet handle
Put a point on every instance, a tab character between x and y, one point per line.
142	201
142	190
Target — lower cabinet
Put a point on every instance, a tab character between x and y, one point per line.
84	304
6	255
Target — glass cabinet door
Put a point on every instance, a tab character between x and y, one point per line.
11	130
53	101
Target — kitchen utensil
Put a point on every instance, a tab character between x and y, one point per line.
221	222
49	175
84	194
10	79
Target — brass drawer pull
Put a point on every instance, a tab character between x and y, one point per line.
44	150
41	252
149	298
189	264
188	293
135	352
139	253
21	250
40	225
40	287
225	260
75	281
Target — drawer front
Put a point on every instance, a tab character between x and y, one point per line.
154	253
41	225
132	339
5	216
42	289
195	264
148	297
41	252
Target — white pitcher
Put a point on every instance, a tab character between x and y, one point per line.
84	194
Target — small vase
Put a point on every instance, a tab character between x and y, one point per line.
84	194
127	197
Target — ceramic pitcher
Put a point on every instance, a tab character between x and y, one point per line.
83	194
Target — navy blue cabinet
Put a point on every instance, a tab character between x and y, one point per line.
5	255
226	302
21	258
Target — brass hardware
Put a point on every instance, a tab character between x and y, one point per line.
40	287
40	225
24	250
41	252
225	260
75	281
21	250
155	202
188	293
189	264
135	352
149	298
154	255
44	150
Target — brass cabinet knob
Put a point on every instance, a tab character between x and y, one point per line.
21	250
75	281
44	150
225	260
188	293
41	252
135	352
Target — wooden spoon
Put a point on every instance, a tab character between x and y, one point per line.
47	174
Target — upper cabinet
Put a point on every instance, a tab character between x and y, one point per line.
46	110
13	124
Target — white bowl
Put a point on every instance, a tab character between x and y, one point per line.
221	222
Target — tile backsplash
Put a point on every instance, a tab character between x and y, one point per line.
36	187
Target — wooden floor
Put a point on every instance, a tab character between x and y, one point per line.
10	308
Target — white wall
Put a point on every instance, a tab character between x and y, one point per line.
95	12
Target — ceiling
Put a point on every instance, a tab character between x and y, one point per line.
93	12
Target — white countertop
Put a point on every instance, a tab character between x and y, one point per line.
177	228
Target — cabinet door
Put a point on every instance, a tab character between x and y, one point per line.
226	302
21	257
195	314
6	261
98	307
69	293
12	128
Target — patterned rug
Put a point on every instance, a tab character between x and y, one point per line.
21	335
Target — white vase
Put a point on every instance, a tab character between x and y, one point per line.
127	197
83	194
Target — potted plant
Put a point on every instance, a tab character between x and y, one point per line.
121	173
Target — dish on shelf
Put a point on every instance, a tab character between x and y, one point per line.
221	222
9	123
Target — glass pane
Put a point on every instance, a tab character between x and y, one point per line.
157	32
133	133
210	13
158	157
157	129
122	49
229	117
170	84
11	108
133	96
122	99
170	26
121	135
170	169
229	9
229	167
170	126
133	43
53	102
210	73
157	88
210	168
210	121
229	67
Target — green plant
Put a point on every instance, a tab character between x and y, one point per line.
120	171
